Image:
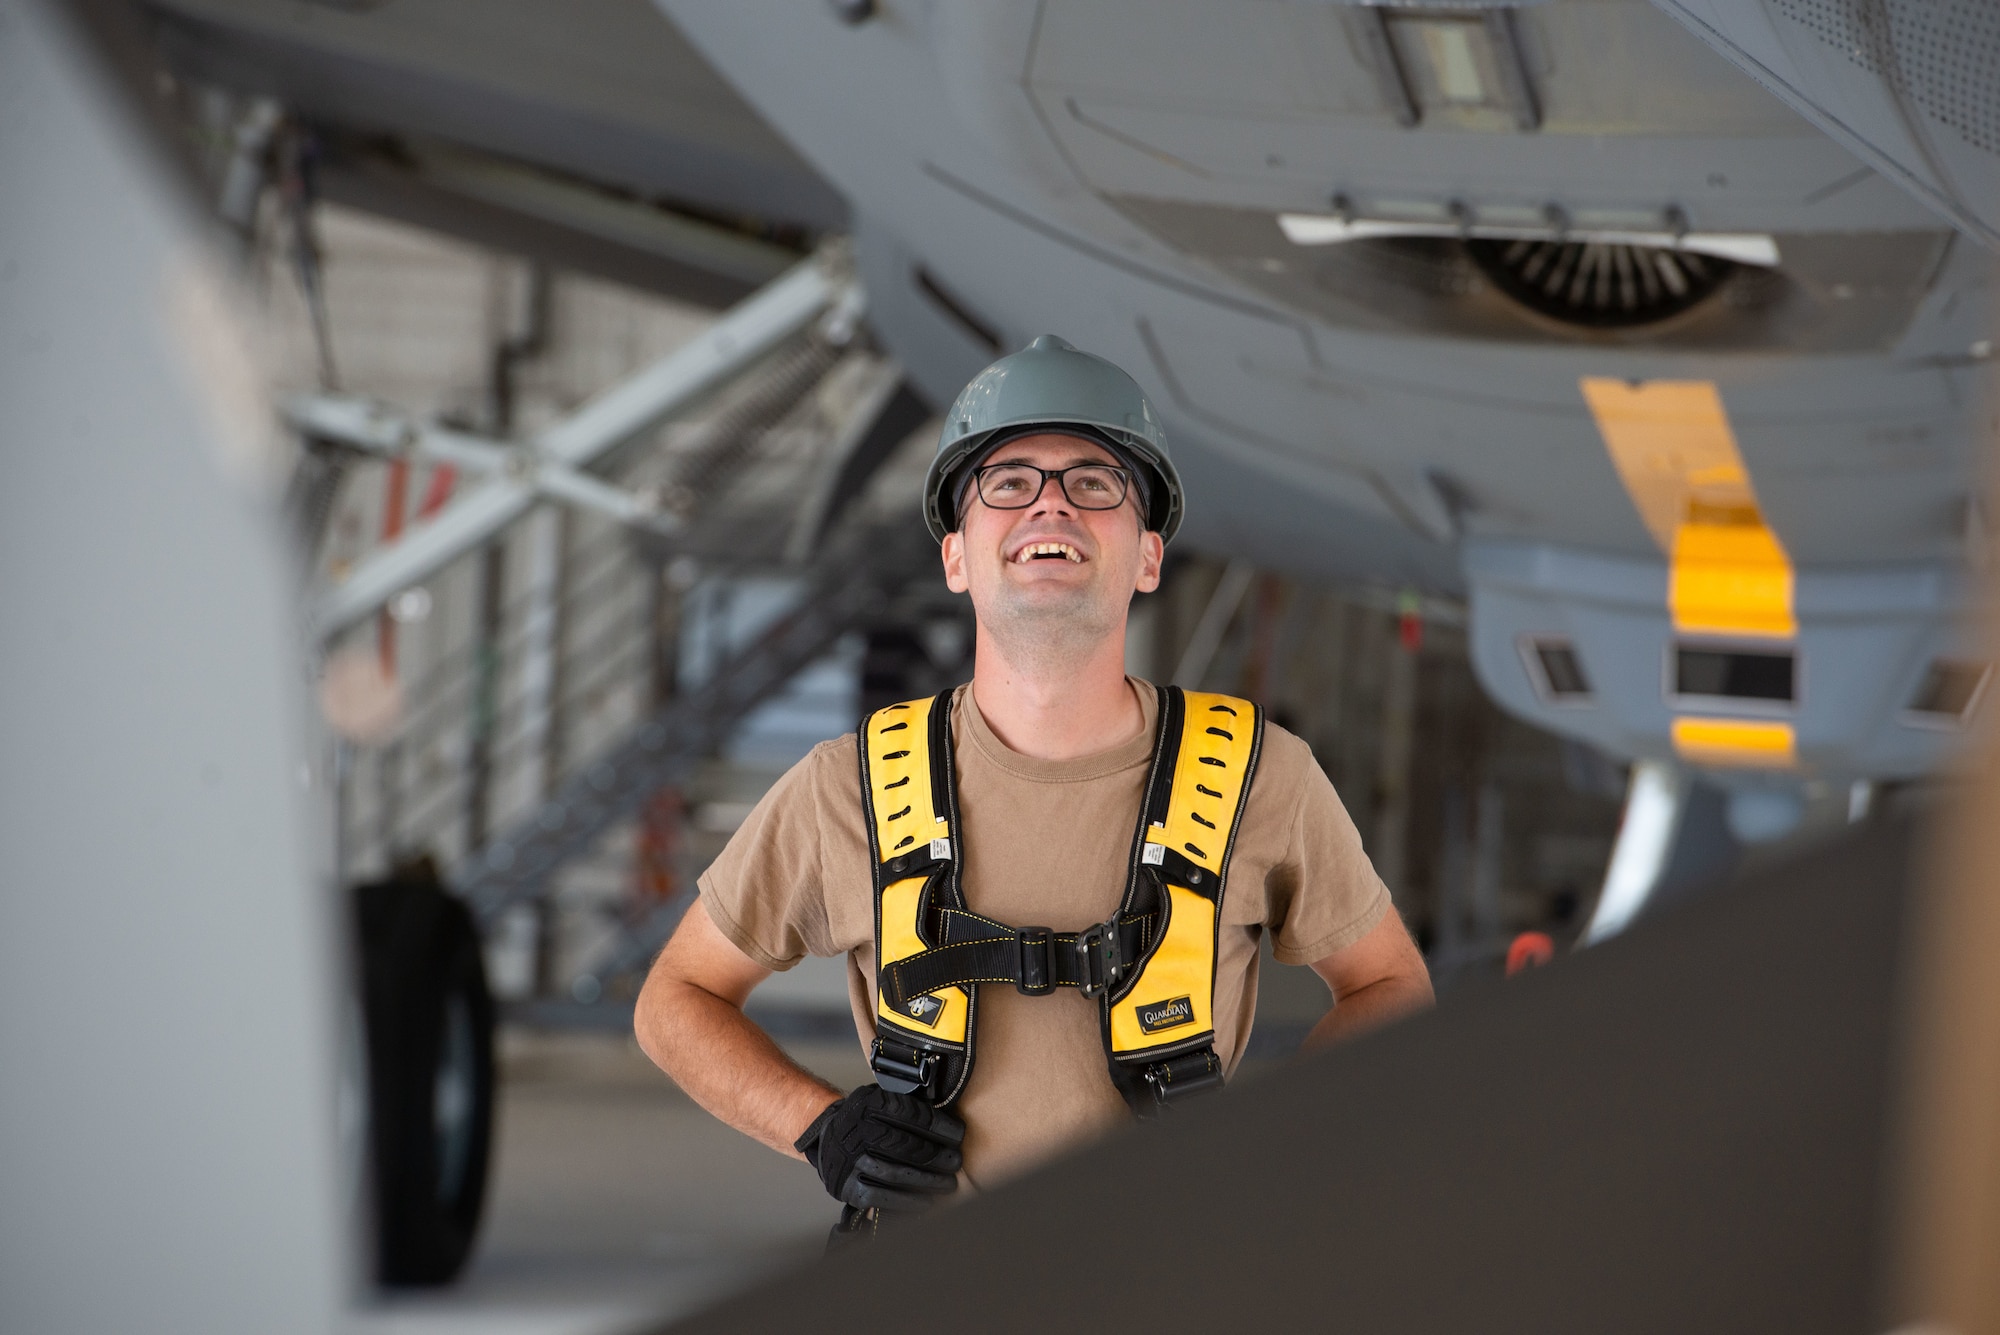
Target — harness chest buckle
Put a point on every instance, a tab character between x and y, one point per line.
1100	965
1035	955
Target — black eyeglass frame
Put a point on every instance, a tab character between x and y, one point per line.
1124	476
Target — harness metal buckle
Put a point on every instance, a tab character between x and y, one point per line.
903	1077
1035	957
1099	964
1178	1077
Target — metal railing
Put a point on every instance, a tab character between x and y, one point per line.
504	777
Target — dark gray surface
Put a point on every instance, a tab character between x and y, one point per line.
1682	1130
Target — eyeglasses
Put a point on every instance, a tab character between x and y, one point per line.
1017	486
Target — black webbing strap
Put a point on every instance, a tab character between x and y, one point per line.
1034	959
919	861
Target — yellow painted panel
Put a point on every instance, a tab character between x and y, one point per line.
1752	743
1671	443
1183	966
1730	581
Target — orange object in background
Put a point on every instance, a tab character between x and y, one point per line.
654	875
1530	950
1410	622
443	478
396	495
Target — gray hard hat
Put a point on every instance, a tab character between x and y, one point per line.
1052	386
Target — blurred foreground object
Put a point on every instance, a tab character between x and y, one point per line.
1684	1129
1947	1262
167	1118
1948	1259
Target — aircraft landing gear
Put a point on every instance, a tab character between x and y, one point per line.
430	1074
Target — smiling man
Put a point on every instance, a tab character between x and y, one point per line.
1157	833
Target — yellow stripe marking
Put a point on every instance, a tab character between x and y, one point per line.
1737	742
1671	443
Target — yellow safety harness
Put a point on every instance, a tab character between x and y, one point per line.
1151	967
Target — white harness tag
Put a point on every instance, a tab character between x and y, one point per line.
941	850
1153	854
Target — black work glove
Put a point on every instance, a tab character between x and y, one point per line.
881	1151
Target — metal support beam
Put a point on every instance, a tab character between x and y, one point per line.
885	413
555	457
1215	618
855	581
1391	849
377	429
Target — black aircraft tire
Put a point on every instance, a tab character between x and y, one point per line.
430	1075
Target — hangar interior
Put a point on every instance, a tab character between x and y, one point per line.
512	716
1593	443
463	705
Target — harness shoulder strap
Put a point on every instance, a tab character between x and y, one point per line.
1151	966
1159	1023
923	1042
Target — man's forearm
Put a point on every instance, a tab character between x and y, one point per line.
727	1064
1368	1008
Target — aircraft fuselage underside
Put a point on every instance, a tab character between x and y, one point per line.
1547	304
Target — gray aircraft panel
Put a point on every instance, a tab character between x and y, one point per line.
1157	118
598	88
1956	316
1410	398
1909	86
1608	67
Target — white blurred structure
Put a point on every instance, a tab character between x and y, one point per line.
168	1156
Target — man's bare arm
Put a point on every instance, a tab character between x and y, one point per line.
690	1021
1374	980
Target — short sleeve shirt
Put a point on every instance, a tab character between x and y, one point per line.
1044	842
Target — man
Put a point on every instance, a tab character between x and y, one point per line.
1054	498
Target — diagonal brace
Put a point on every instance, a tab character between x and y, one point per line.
855	582
725	349
376	429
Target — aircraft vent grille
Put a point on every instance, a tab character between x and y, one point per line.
1600	285
1940	53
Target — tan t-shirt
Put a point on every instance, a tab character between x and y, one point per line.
1045	843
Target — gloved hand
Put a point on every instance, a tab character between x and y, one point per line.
876	1150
